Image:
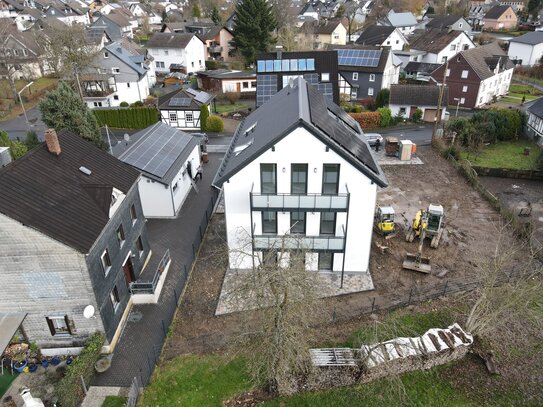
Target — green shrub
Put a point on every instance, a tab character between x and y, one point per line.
137	103
382	98
204	114
367	120
385	116
214	124
539	162
417	115
124	104
68	390
132	118
31	140
16	148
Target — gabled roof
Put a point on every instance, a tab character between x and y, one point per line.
228	74
118	19
434	40
537	108
325	27
442	22
307	8
401	19
49	193
95	35
301	105
483	59
531	38
383	54
194	99
375	34
423	67
126	57
170	40
496	12
159	151
416	95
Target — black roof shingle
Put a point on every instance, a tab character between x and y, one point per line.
416	95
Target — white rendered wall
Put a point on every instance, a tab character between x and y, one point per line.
183	180
195	55
156	198
395	41
301	147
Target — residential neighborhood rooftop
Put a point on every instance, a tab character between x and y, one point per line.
416	95
375	34
496	11
169	40
434	40
531	38
483	59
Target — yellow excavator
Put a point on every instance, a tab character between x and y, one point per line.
383	221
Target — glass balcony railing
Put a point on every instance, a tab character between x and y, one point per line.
310	202
293	242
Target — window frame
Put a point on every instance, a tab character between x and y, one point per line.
328	221
325	77
292	183
121	237
370	91
115	298
133	214
187	115
262	183
298	226
372	77
105	261
324	171
139	245
269	222
115	70
59	331
173	117
355	76
330	263
466	71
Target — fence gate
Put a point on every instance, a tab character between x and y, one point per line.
133	393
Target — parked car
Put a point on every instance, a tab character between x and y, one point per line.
373	137
202	136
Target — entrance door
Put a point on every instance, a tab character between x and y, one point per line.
128	271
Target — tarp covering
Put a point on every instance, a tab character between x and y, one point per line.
9	323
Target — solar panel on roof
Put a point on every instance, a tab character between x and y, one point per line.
359	57
202	97
193	92
179	102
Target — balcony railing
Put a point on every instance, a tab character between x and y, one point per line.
148	287
310	202
293	242
215	49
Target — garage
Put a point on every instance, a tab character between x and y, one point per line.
429	115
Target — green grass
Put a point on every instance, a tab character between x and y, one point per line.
505	154
114	401
5	381
196	381
524	89
227	107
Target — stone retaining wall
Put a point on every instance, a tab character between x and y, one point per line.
508	173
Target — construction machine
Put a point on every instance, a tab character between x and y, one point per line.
429	223
383	221
417	261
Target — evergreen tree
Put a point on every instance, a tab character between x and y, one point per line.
196	10
253	28
63	109
31	140
204	114
16	148
216	16
382	98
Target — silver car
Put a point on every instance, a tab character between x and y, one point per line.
373	137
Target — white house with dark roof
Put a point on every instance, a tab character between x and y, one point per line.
186	49
406	22
383	36
167	159
439	45
181	108
526	49
309	178
404	100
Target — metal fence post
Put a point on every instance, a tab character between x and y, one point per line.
445	288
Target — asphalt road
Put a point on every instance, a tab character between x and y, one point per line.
420	135
17	128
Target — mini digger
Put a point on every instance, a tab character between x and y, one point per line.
383	222
428	223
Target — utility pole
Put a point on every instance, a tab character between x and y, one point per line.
76	73
440	101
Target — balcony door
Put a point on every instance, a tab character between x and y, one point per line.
268	178
330	179
128	270
298	179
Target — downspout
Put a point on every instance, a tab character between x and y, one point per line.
345	233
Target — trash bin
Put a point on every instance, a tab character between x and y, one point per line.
205	157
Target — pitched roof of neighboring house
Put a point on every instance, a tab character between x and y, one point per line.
537	108
127	57
375	34
173	26
423	67
170	40
214	31
364	58
416	95
27	40
307	8
496	12
299	105
443	21
531	38
434	40
401	19
228	74
95	35
483	59
184	99
159	151
325	27
119	19
49	193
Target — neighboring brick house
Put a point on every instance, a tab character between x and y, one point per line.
500	18
404	100
72	234
477	76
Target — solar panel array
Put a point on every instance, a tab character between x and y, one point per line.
359	57
202	97
193	92
266	87
180	102
156	152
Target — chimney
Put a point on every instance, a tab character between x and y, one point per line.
51	139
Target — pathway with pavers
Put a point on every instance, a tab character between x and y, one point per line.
143	335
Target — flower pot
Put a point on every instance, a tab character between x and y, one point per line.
20	365
55	361
69	361
32	367
45	362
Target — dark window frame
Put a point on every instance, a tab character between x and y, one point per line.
139	245
115	298
262	184
133	213
267	222
324	183
54	330
299	226
328	221
329	264
293	184
121	237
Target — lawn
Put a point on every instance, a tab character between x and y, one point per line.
506	154
114	401
227	107
5	381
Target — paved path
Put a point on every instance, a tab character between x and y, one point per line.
17	128
141	341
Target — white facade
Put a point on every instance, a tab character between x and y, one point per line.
460	43
181	119
427	111
239	85
192	56
535	126
165	201
495	86
396	41
354	224
528	53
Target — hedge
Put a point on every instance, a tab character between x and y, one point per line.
131	118
367	120
69	391
214	124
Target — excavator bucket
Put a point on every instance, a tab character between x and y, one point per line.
417	262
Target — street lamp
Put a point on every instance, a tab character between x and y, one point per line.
457	106
22	105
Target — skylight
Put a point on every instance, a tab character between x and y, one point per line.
239	149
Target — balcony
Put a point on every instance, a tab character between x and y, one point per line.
214	49
294	242
308	202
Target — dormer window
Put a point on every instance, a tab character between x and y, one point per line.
117	198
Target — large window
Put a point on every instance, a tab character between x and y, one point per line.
298	182
464	74
269	258
268	178
297	223
328	223
330	179
58	325
326	261
269	222
139	245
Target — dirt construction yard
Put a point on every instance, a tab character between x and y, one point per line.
471	231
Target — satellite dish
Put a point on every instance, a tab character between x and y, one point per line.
88	312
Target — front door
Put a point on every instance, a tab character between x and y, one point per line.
128	271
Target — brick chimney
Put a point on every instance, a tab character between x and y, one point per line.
51	139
